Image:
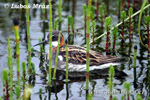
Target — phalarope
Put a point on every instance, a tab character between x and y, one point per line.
77	56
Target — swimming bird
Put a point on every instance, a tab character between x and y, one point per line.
77	56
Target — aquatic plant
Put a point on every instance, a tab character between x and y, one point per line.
110	82
55	24
18	92
104	9
43	10
123	16
122	22
24	74
41	46
101	15
5	81
60	11
27	92
114	98
97	8
87	44
139	23
128	4
108	26
138	97
50	44
135	55
28	36
119	7
93	27
147	23
69	20
66	61
85	16
56	60
130	12
10	69
16	30
72	26
115	34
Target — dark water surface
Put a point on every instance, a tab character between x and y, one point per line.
75	90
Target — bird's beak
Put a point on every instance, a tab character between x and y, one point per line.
43	42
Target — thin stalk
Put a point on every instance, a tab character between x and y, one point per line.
56	60
24	74
130	22
84	13
101	15
128	4
50	44
41	46
72	25
69	20
93	25
135	55
60	11
10	69
28	36
115	30
97	8
110	82
5	79
139	23
55	24
16	29
120	23
43	10
18	92
66	61
87	44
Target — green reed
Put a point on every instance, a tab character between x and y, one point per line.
16	30
115	34
72	26
89	96
119	7
24	74
147	23
56	60
101	12
43	10
28	36
110	82
138	97
114	98
123	16
87	44
93	27
41	46
10	69
92	13
108	26
139	22
55	24
66	61
50	44
84	13
60	11
69	20
18	92
130	12
5	81
135	55
104	9
136	13
127	90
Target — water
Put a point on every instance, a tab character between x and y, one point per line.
76	87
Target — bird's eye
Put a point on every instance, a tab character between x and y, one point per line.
54	38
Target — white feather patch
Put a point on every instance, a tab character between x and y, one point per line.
55	43
74	67
60	58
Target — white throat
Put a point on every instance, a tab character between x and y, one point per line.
55	44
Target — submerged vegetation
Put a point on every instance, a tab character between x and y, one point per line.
94	19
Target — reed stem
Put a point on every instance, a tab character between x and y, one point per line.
50	43
24	74
10	69
84	13
5	81
43	10
28	36
121	23
87	44
55	24
135	55
41	46
66	61
16	29
56	60
93	26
